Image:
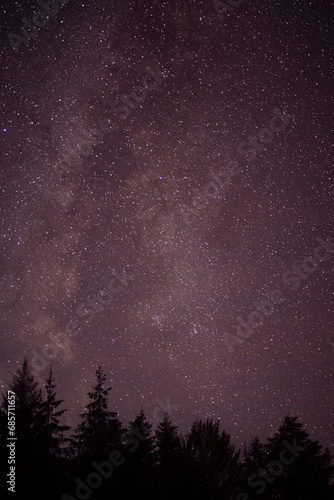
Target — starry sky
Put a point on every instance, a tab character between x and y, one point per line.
166	207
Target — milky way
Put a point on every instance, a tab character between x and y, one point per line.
163	169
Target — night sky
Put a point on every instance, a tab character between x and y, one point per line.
166	177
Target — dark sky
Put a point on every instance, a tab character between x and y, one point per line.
207	181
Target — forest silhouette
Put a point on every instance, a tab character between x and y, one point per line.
102	459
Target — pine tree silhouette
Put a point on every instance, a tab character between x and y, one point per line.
289	467
140	443
255	458
28	399
100	430
168	442
309	474
203	465
140	460
52	432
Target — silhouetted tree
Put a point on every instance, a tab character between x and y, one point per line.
255	458
171	478
49	441
100	430
289	467
213	457
28	403
52	432
168	442
28	399
255	454
140	443
301	469
203	465
140	460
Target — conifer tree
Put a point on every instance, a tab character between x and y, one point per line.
140	442
52	433
168	442
28	396
100	430
28	400
298	468
255	455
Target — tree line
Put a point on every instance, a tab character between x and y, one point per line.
102	459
